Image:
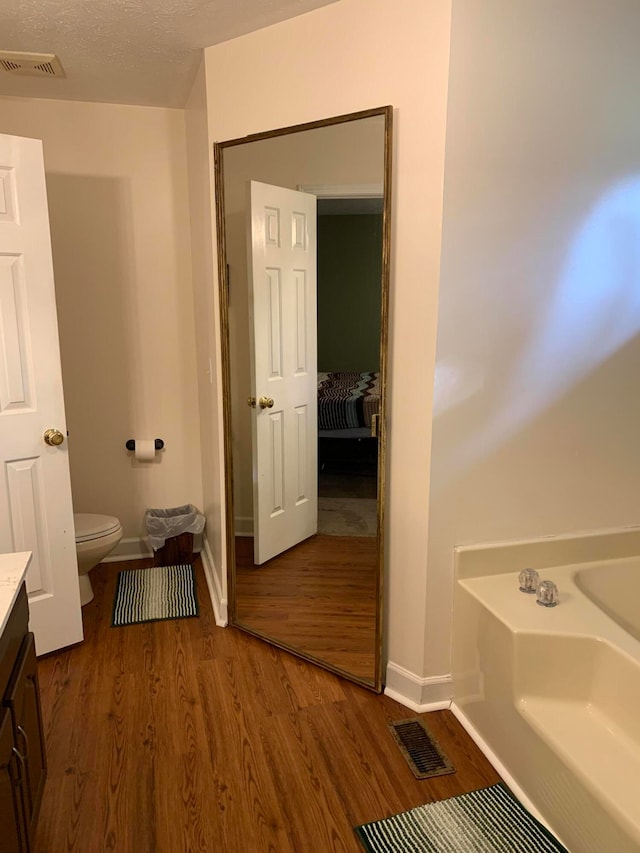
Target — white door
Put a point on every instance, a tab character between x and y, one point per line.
36	512
282	274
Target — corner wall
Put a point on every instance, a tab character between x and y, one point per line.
537	411
207	320
345	57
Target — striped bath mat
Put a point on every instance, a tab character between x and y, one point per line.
489	820
149	595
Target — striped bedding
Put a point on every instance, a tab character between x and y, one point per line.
347	400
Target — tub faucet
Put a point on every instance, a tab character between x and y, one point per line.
547	594
529	580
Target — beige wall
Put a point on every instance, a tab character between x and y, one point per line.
200	159
537	406
117	190
350	56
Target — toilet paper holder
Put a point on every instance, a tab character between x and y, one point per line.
131	444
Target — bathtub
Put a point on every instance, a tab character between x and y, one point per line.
552	695
615	588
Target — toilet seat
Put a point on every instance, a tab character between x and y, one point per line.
90	526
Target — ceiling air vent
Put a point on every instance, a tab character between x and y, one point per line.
31	64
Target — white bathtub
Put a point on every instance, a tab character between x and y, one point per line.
553	695
614	588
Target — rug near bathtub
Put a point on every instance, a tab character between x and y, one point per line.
489	820
154	594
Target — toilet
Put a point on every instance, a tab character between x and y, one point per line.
96	536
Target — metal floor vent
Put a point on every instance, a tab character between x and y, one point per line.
420	749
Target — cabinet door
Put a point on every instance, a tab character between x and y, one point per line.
23	700
13	834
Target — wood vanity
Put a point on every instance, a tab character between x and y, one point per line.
22	748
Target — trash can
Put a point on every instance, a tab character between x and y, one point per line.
170	533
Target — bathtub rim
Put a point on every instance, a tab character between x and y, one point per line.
483	571
577	548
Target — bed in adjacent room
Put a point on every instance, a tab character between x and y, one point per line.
347	403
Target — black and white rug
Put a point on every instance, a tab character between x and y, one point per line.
490	820
149	595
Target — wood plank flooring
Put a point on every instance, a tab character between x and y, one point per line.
319	597
178	736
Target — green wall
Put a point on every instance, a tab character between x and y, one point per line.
349	288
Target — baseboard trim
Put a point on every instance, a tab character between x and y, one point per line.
218	601
137	548
420	694
243	526
129	549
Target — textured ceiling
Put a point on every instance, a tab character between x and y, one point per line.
128	51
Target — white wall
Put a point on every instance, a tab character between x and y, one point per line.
537	406
209	376
345	57
118	202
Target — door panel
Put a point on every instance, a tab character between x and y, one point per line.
28	518
302	312
274	323
282	272
36	510
14	379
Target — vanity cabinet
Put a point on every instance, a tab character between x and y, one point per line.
22	749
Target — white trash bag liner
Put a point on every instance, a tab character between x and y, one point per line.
163	524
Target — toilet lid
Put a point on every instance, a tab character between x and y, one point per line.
90	526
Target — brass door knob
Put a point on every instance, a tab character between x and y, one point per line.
251	402
53	437
266	402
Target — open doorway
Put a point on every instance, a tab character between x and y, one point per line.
349	276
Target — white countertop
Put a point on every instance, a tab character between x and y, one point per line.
13	568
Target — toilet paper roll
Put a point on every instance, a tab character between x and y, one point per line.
145	449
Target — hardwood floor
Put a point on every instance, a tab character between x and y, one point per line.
318	597
178	736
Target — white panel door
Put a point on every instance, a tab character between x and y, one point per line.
36	512
282	274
